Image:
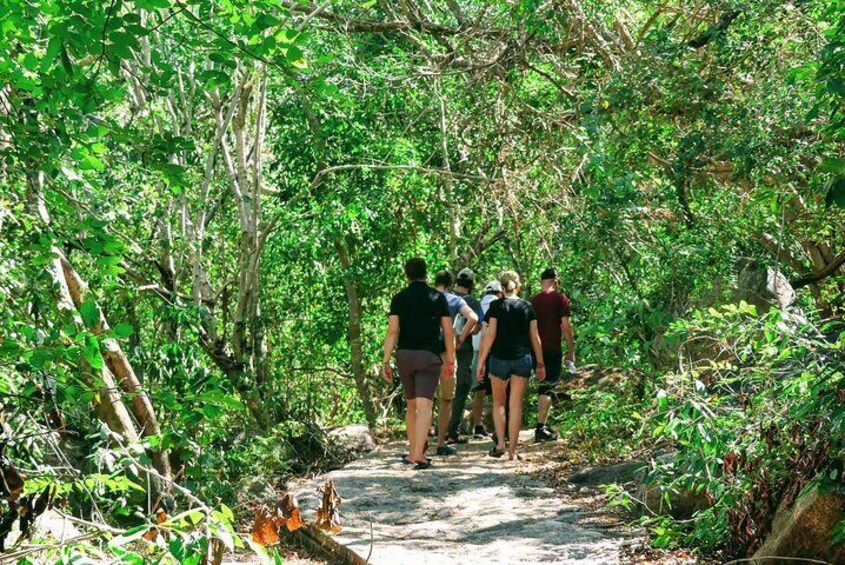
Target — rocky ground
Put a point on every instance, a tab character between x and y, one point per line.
472	508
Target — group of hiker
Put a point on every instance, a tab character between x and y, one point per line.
449	344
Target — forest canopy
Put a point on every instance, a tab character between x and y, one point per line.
205	208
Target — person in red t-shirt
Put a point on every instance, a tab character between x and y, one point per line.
553	322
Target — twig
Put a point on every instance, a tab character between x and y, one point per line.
14	557
319	177
780	558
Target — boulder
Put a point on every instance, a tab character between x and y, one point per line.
763	286
620	473
804	530
50	526
682	504
356	437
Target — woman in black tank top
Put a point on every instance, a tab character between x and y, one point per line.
511	337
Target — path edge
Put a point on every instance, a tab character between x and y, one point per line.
324	546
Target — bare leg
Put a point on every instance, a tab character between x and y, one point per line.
443	421
421	426
500	397
411	423
515	424
544	403
477	408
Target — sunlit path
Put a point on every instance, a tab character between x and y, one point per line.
466	509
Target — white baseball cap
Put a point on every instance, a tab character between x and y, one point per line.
466	274
493	286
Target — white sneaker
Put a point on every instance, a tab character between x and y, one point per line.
570	366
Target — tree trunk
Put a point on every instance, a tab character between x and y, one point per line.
119	366
356	349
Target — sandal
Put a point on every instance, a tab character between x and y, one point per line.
407	461
495	452
422	466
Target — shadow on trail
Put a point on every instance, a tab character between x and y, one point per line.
467	509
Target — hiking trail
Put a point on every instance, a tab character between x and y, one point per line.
469	508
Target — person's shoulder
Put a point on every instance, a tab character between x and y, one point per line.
439	297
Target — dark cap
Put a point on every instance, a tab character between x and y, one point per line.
549	274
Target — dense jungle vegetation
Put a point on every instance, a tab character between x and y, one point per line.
205	207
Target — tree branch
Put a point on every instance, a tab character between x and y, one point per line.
714	30
819	275
318	179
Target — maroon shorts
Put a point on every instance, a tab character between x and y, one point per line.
420	371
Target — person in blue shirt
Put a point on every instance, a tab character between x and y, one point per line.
443	282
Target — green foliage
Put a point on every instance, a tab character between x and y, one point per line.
236	184
755	420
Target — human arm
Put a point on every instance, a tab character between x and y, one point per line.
449	341
390	339
486	346
566	328
472	321
537	346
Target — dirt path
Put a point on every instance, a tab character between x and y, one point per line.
468	509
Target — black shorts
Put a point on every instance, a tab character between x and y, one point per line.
553	359
419	371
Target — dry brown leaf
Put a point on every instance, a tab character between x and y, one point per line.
328	516
290	511
265	527
294	522
161	516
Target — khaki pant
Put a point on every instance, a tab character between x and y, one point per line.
446	390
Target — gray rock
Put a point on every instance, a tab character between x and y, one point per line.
356	437
624	472
682	503
803	530
763	286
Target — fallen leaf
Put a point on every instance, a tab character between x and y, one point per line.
265	527
291	513
161	516
328	516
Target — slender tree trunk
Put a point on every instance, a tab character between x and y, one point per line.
111	409
356	349
119	366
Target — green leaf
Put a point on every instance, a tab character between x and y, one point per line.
128	556
129	535
90	312
53	49
91	162
94	358
836	193
124	330
832	165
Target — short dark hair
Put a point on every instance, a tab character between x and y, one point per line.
415	269
443	278
465	282
549	274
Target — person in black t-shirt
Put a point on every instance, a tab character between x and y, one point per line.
417	316
510	338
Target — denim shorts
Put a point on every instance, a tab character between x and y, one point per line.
504	368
